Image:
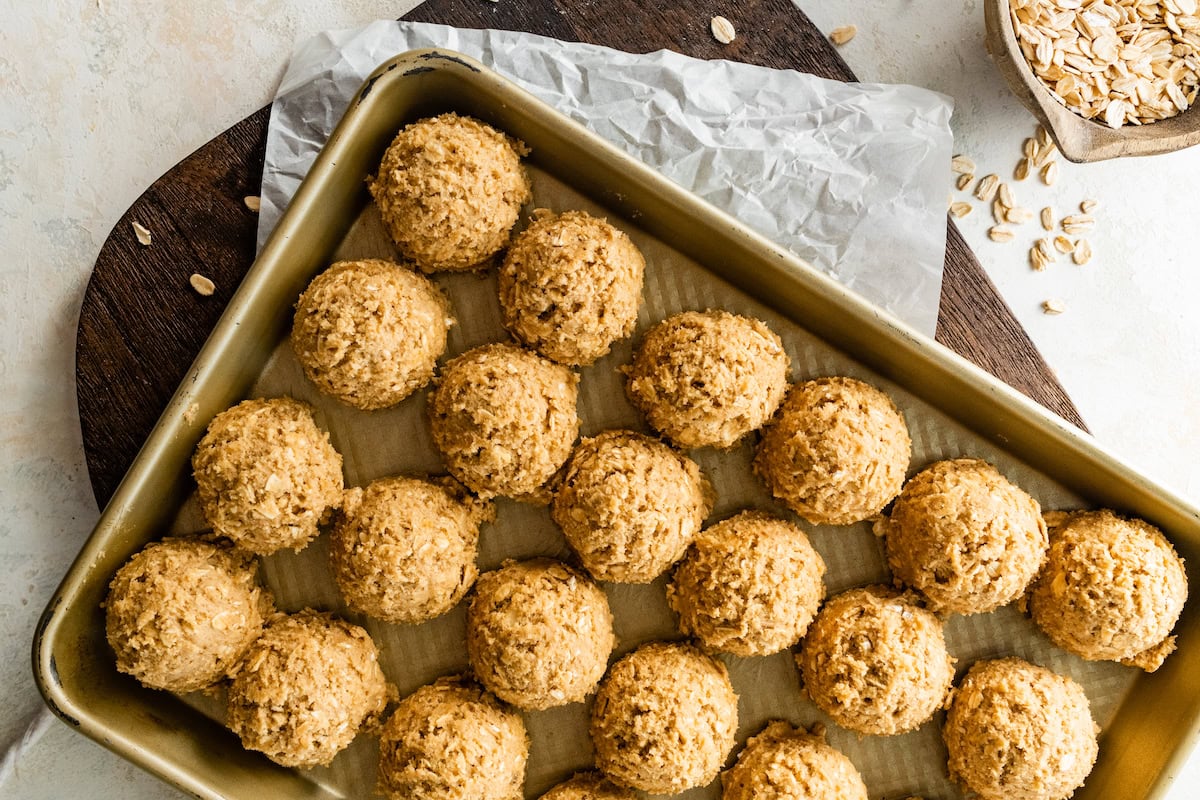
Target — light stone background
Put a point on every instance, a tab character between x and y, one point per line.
100	97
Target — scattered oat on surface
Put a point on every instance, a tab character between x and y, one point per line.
836	452
1030	149
1088	206
403	549
1046	248
142	233
1004	192
1017	731
449	190
965	537
1082	253
749	585
1018	215
786	762
876	661
1036	259
1044	154
253	202
181	613
1077	223
1063	245
539	634
999	233
1022	170
310	683
266	475
1053	307
722	30
1119	61
964	180
629	505
370	332
985	190
664	719
451	740
1048	218
1112	589
708	378
960	209
962	165
999	212
843	34
1050	173
203	286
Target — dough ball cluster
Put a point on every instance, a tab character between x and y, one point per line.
403	549
836	451
965	538
664	719
786	763
266	475
181	613
630	505
707	378
370	332
749	586
449	190
539	634
570	286
1111	589
876	661
1017	731
311	682
504	419
451	740
588	786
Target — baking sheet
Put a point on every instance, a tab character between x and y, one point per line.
849	176
397	440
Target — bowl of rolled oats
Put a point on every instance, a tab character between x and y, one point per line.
1107	78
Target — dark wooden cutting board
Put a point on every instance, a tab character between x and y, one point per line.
141	325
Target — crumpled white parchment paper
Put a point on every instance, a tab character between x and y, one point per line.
851	177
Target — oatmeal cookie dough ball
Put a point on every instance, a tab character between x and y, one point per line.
1111	589
749	586
504	419
450	740
403	549
570	286
1016	731
664	719
786	763
707	378
370	332
539	634
181	613
876	661
449	190
266	475
965	537
630	505
835	452
588	786
310	684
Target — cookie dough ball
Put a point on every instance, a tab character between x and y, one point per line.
504	419
570	286
449	190
370	332
835	452
748	586
451	740
588	786
266	475
876	662
707	378
664	719
310	684
539	634
965	537
1016	731
403	549
786	763
181	613
1111	589
630	505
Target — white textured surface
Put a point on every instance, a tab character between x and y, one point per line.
100	98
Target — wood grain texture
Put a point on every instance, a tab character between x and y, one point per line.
141	325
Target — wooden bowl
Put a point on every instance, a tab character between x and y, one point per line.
1079	140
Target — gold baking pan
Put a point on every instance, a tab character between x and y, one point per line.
696	257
